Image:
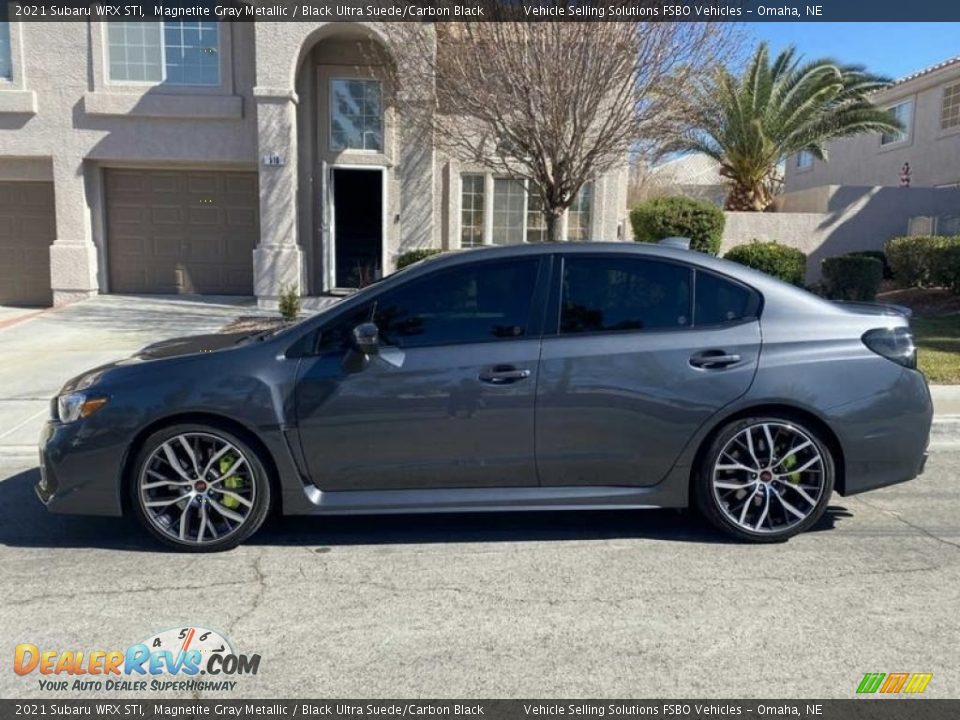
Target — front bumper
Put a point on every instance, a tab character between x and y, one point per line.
80	468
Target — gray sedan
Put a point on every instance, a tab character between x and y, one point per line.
548	377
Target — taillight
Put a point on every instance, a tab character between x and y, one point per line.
894	344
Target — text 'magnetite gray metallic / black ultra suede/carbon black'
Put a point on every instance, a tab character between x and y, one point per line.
538	377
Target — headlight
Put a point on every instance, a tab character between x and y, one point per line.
74	406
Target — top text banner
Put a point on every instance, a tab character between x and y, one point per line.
487	10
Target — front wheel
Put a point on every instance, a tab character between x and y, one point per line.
765	479
199	488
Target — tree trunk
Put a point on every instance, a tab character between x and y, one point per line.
744	198
554	218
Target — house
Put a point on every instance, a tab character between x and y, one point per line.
925	154
693	175
231	158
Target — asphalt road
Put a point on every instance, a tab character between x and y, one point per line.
617	604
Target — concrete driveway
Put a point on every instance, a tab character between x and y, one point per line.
39	351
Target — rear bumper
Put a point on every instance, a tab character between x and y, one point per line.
884	437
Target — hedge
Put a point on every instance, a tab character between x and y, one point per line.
665	217
877	255
781	261
411	256
852	277
913	259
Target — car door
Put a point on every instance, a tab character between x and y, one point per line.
448	401
639	353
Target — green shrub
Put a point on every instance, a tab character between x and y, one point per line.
665	217
782	261
289	302
852	277
411	256
912	259
877	255
946	269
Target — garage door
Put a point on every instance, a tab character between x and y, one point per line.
27	229
181	231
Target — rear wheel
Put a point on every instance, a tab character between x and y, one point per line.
765	479
199	488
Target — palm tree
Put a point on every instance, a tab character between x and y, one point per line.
751	123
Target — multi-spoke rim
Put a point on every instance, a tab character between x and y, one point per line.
769	477
197	488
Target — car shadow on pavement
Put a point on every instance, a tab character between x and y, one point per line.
24	522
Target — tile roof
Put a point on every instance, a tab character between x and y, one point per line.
927	71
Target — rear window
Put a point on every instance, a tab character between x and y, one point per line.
718	300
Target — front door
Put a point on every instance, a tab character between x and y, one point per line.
356	221
449	400
637	365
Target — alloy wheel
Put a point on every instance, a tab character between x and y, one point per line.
769	477
197	488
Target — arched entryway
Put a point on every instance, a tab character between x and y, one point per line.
347	158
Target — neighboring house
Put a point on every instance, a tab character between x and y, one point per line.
230	158
694	175
928	105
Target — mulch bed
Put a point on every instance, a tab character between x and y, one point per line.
925	302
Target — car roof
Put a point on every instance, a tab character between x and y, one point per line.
771	288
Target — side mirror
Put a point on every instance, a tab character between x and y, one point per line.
366	338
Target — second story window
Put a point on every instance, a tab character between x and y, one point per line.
804	160
950	112
6	65
175	53
356	115
904	113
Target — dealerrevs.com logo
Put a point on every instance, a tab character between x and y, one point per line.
186	659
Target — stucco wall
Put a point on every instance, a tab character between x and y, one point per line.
933	154
829	221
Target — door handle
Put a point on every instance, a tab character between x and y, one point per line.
504	375
714	359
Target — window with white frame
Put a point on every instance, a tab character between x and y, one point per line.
509	211
6	64
356	115
471	210
515	213
580	214
904	113
177	53
950	111
536	220
804	160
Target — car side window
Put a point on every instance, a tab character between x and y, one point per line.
337	336
615	293
475	303
719	301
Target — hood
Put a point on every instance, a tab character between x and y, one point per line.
191	345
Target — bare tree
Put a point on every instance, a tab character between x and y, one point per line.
553	103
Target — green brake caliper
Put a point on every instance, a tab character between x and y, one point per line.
230	483
790	462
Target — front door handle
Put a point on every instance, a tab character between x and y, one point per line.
504	375
714	359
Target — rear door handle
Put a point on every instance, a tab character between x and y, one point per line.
504	375
714	359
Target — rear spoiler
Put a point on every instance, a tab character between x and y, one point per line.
886	308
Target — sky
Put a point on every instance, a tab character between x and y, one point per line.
891	49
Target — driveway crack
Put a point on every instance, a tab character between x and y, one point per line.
899	518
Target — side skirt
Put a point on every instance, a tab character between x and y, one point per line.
313	501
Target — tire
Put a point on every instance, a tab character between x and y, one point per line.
192	511
757	496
